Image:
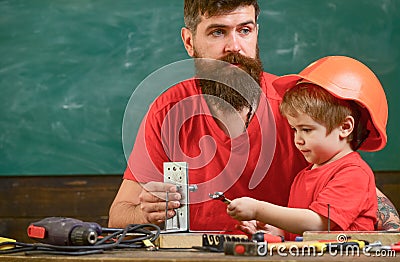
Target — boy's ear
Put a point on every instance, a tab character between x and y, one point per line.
347	127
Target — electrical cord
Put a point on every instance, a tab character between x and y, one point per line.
132	236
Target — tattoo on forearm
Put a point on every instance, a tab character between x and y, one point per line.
388	217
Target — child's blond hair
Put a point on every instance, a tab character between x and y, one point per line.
323	108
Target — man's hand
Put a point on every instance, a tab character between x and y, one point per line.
253	226
153	201
142	203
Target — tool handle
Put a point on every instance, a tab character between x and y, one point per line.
265	237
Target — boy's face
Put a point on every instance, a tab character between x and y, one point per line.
216	36
318	147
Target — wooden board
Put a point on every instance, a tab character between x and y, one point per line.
27	199
189	240
385	237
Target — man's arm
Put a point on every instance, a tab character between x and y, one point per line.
125	207
140	204
388	217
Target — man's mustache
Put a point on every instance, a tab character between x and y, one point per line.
236	59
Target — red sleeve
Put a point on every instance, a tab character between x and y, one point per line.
145	163
349	199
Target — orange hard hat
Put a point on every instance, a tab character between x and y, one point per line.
349	79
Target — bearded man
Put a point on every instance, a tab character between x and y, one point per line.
224	123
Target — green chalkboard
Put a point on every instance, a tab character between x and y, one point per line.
69	67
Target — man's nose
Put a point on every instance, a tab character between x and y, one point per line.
233	43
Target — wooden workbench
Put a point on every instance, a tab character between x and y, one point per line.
181	255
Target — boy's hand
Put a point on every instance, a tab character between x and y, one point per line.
243	208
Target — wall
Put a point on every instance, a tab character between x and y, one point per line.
69	68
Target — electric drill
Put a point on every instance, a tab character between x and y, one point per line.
63	231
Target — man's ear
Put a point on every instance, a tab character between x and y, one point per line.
187	38
347	127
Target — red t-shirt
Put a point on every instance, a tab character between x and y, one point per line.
261	163
347	185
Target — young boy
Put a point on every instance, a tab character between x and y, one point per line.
335	107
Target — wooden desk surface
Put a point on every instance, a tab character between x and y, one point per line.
181	255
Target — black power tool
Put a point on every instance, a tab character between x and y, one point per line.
64	231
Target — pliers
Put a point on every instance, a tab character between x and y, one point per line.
219	196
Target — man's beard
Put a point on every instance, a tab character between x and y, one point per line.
230	86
